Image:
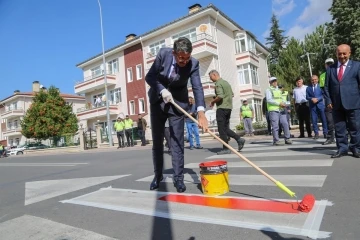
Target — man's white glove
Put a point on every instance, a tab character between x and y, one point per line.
166	95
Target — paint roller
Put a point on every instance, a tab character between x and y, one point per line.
305	205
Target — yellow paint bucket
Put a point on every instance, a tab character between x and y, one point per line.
214	178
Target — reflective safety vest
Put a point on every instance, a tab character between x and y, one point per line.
1	147
128	123
322	79
277	96
246	111
284	96
119	126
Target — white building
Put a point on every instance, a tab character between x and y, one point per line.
14	109
218	43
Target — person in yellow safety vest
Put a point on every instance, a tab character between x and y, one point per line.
330	138
128	131
246	115
277	112
2	149
286	99
119	127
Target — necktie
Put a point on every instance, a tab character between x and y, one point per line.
341	72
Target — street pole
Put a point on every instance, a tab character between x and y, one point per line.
105	81
307	54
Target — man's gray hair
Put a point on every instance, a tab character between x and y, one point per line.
183	44
214	71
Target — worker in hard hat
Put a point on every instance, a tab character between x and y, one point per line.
330	138
277	112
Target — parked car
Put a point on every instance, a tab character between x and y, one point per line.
15	151
33	146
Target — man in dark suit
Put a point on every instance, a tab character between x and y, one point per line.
342	94
168	78
317	106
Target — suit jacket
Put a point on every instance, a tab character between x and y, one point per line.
158	79
345	93
316	93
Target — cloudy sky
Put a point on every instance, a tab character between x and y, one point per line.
300	17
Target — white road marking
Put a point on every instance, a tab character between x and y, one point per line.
42	190
273	153
40	164
252	180
147	203
36	228
284	163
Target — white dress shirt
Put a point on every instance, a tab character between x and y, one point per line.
299	94
344	67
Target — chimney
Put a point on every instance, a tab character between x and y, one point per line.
194	8
36	86
130	37
16	91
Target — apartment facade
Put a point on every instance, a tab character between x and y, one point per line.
218	43
14	109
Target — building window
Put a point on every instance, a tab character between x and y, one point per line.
243	74
189	34
254	74
251	44
11	142
139	72
155	47
240	43
258	110
10	125
17	141
15	124
115	95
96	71
141	105
113	66
129	74
132	107
98	100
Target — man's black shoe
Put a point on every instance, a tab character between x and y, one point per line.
339	154
241	143
156	182
355	154
180	186
301	136
328	141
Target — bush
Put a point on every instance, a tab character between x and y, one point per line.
256	125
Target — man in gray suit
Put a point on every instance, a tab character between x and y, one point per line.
342	95
168	78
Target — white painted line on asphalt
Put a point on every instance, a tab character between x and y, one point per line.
275	154
251	147
252	180
313	221
40	164
284	163
36	228
43	190
147	203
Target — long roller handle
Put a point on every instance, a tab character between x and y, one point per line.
279	184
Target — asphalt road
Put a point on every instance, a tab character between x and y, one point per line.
105	195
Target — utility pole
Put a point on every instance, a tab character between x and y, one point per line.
307	54
109	126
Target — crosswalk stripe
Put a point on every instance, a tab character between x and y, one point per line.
40	164
251	147
276	154
251	180
291	163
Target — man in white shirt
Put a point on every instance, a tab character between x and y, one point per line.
301	107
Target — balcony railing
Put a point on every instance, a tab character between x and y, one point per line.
14	130
204	80
90	106
11	111
89	78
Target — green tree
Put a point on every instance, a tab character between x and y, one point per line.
276	40
346	24
49	116
315	43
290	63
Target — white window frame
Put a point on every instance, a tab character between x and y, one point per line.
257	108
238	46
129	74
191	32
155	48
141	102
254	74
132	107
139	73
96	71
113	66
113	94
241	74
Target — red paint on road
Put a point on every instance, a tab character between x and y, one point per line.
234	203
